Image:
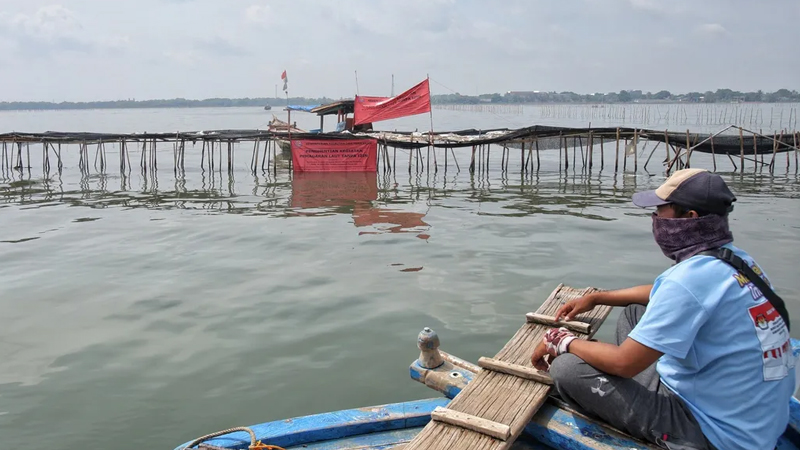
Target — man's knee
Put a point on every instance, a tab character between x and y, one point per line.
565	370
635	311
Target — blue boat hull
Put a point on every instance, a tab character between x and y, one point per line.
388	426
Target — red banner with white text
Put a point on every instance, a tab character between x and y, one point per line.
416	100
335	155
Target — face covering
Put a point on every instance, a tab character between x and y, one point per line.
680	239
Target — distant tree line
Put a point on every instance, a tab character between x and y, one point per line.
721	95
511	97
166	103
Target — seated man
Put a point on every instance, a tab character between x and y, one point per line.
702	359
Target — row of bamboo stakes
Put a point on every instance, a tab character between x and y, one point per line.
214	154
654	114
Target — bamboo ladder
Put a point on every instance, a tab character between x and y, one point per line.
491	412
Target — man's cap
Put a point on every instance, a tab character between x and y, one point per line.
696	189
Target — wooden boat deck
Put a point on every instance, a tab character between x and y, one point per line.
499	403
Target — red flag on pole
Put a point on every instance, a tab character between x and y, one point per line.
416	100
285	81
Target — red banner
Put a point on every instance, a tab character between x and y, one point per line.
416	100
335	155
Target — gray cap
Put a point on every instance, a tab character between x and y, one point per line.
695	189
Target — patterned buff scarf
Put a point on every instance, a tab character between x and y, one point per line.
681	239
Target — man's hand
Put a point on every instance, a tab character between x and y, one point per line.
572	308
538	357
554	342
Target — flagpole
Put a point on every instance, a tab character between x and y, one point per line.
289	116
430	135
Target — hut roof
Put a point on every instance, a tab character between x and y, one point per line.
345	106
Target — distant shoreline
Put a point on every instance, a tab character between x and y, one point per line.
509	98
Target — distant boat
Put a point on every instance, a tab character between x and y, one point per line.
267	108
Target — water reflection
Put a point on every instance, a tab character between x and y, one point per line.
377	203
355	194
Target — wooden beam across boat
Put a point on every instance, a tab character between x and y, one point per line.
505	392
572	325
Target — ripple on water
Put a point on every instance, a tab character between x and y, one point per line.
214	300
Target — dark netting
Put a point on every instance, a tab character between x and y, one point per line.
545	137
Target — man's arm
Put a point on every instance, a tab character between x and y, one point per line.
620	297
624	297
626	360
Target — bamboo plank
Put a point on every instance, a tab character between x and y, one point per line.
528	373
498	397
483	426
580	327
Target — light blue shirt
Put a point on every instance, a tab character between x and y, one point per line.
726	351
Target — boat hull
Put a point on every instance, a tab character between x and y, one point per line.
555	425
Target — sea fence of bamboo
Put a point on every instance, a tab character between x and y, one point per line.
752	115
511	109
525	150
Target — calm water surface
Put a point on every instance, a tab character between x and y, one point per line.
141	312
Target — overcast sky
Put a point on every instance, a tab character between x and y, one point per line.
80	50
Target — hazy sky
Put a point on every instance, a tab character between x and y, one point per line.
144	49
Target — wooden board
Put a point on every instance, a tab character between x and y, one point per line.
502	398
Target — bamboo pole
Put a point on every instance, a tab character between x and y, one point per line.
529	158
689	150
219	149
566	154
254	157
651	155
143	162
410	154
635	150
264	156
575	153
713	155
602	151
538	162
775	151
616	159
788	163
488	151
741	149
732	161
682	165
755	154
472	161
435	162
625	156
445	160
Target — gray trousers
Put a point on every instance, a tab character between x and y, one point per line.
641	406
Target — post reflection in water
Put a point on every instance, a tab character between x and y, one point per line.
386	202
352	193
